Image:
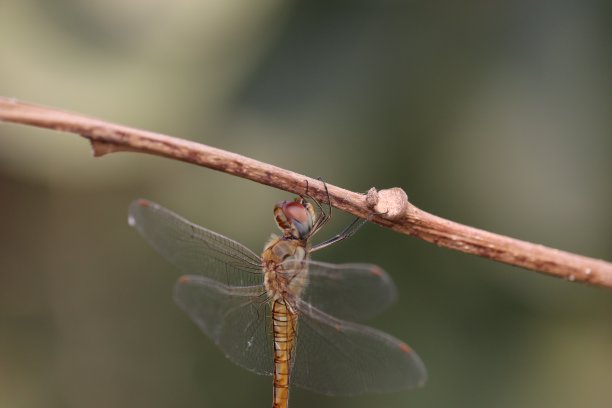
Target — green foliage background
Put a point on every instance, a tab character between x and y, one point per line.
495	114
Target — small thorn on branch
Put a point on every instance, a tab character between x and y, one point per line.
103	148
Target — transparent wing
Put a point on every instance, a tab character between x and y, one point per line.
348	291
336	357
194	249
233	317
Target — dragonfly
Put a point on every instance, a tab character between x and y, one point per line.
281	313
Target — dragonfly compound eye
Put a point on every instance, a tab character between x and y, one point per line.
295	212
294	219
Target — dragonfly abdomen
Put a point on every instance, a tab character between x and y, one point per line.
284	324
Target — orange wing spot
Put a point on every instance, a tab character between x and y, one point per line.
144	203
376	271
405	348
183	279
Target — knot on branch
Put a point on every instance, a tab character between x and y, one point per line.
392	203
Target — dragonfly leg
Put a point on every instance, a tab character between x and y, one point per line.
349	231
323	217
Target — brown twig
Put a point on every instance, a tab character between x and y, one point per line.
391	206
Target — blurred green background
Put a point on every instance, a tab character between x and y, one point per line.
491	113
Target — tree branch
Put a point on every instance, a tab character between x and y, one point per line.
389	208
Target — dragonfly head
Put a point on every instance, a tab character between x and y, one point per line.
295	218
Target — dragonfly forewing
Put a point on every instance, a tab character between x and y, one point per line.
352	291
194	249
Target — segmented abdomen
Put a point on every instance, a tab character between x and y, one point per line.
284	324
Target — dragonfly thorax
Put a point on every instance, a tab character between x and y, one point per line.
285	272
